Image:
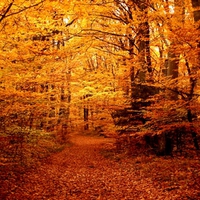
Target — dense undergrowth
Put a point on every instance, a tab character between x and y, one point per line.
22	149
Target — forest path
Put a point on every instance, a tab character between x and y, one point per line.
82	172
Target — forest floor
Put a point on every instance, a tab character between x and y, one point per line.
90	169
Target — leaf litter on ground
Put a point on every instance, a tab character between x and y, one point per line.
91	169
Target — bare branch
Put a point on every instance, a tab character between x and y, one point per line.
7	10
114	44
70	23
19	11
93	31
110	52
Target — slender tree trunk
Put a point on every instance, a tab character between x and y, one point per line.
196	6
172	70
86	114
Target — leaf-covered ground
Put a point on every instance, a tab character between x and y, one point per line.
90	169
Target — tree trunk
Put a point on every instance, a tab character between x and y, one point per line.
142	44
173	56
86	114
193	81
196	4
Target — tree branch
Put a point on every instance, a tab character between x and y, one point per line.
113	44
19	11
103	32
7	10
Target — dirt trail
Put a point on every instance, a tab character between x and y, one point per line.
81	172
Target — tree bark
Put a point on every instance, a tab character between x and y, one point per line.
196	4
141	44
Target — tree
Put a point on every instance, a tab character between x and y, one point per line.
35	76
176	116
